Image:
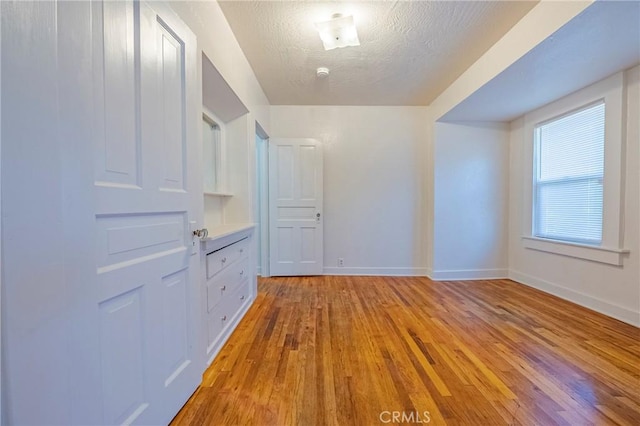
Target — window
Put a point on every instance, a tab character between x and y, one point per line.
573	192
568	176
213	154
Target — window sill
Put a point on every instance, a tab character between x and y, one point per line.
606	255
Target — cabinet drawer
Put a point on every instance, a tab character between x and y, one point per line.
221	259
236	275
235	301
223	313
226	282
216	321
214	295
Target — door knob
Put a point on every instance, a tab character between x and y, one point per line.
201	233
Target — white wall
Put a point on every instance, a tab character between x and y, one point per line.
430	189
612	290
374	183
240	146
217	41
2	419
609	289
214	211
536	26
239	135
34	267
470	201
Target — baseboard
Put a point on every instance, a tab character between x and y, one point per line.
397	272
618	312
468	274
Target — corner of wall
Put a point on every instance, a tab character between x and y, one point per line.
429	181
611	290
536	26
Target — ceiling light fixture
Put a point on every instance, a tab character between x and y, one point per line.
339	31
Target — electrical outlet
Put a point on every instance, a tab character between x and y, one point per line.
340	262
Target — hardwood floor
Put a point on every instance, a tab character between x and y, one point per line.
354	350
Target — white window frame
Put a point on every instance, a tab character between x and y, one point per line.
220	167
611	90
537	141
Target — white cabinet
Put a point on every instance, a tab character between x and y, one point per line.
229	283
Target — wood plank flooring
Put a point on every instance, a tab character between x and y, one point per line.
354	350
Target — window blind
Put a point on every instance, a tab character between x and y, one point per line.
568	177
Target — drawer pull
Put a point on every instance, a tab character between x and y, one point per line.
242	272
224	318
224	259
241	297
223	288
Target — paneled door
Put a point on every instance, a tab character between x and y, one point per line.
147	299
99	171
295	207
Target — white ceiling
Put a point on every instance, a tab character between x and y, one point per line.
410	50
602	40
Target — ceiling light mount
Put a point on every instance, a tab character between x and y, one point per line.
322	72
339	31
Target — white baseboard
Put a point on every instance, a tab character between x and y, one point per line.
468	274
397	272
598	305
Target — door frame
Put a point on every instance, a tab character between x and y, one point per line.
262	197
319	205
2	420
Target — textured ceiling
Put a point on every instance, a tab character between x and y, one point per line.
410	50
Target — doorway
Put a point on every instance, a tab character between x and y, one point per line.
262	202
295	207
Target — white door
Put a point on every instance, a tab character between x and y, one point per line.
147	295
295	207
102	293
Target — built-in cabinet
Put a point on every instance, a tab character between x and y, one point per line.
228	284
227	255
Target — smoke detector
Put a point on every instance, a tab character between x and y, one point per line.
322	72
